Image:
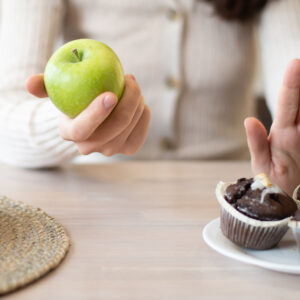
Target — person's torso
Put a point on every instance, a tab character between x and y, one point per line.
195	70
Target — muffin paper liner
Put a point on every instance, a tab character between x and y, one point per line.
295	227
245	231
295	196
249	236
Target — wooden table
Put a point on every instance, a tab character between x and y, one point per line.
136	230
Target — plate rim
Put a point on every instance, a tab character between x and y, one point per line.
243	257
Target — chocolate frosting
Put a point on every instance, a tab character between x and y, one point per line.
298	194
248	201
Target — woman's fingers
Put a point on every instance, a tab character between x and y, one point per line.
122	115
107	128
138	136
114	146
123	143
287	113
83	126
35	86
258	144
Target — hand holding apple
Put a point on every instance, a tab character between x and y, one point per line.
104	127
84	79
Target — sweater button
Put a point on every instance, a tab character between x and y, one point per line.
172	82
167	144
173	14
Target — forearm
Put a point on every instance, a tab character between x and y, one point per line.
29	133
28	126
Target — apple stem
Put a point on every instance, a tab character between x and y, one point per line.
76	54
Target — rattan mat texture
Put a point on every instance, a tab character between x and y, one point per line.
31	244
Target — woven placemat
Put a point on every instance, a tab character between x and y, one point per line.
31	244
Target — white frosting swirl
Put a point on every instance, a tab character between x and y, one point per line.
260	184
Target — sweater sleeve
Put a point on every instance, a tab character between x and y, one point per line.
279	39
29	126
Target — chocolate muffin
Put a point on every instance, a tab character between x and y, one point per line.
260	203
254	212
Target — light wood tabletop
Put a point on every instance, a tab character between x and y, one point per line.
136	232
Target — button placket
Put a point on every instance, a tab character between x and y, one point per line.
173	14
167	144
172	82
171	48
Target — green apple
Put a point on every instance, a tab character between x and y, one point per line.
79	71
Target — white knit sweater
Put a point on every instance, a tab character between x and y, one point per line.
196	71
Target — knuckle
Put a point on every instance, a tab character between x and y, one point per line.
62	131
108	152
76	134
129	150
135	91
63	135
147	112
132	89
147	117
85	149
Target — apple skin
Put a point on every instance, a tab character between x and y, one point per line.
72	82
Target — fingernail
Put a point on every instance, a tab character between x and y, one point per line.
132	77
110	101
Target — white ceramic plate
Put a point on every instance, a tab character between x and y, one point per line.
283	258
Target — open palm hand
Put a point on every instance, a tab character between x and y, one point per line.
278	154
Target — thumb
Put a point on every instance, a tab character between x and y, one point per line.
257	138
83	126
35	86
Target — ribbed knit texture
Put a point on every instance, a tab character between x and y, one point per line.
279	43
212	63
28	126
